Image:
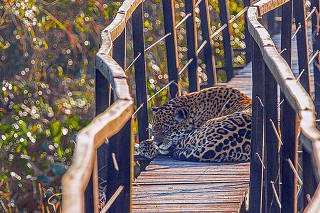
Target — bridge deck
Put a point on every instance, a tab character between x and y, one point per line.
169	185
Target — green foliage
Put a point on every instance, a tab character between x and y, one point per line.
51	34
47	50
37	133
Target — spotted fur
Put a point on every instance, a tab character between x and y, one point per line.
212	125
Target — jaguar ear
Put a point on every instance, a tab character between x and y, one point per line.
180	114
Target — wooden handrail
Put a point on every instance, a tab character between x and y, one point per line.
265	6
115	120
294	92
106	124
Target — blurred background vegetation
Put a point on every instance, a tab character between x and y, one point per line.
47	51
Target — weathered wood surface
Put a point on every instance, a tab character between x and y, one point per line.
169	185
288	123
294	92
208	49
103	126
264	6
173	186
171	45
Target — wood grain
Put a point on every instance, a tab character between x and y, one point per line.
169	185
294	92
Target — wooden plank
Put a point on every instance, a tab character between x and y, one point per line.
154	182
214	209
207	52
192	188
196	177
189	195
140	72
171	185
228	56
171	45
172	180
192	44
193	199
206	173
217	207
166	204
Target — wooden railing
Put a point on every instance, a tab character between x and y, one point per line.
99	138
275	176
104	150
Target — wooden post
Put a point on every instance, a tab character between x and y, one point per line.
288	123
171	45
272	143
103	99
102	103
303	61
140	72
208	56
123	139
316	62
302	43
120	159
228	56
192	44
120	148
125	157
257	140
247	38
119	49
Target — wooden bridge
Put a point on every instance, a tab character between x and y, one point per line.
284	172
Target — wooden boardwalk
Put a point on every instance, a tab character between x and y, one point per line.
169	185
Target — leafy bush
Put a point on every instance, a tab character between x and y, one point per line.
38	131
47	51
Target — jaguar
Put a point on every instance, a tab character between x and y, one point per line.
211	125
